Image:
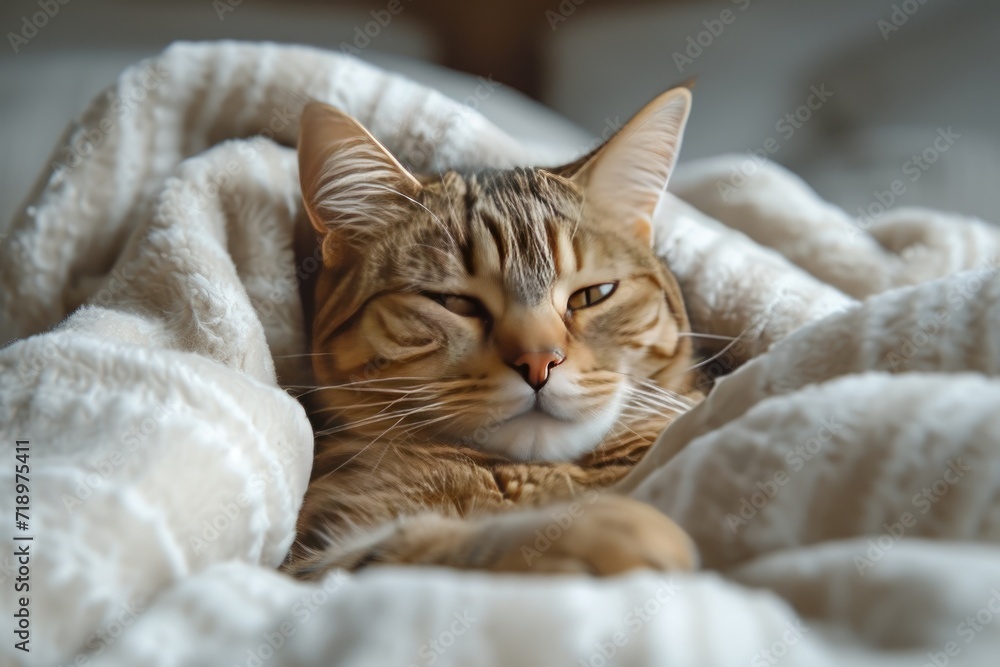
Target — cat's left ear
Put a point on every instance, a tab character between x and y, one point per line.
352	186
624	179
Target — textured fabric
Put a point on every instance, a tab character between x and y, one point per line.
841	484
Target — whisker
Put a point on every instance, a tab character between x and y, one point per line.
650	387
402	414
380	390
364	404
382	455
376	380
714	356
388	444
656	398
663	398
646	380
705	335
405	397
422	424
621	422
302	354
655	389
430	247
656	407
433	215
358	386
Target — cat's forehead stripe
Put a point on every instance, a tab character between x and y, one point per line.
499	240
468	237
552	236
521	213
577	242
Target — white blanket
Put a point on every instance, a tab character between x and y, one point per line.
841	485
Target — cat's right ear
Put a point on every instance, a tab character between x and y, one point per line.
625	178
353	188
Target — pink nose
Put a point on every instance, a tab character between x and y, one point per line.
534	366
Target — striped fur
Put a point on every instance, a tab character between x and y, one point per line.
420	411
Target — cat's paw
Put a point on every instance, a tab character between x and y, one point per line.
606	536
601	535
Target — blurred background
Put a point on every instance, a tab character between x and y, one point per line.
850	94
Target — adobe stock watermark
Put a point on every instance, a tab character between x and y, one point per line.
227	513
102	639
562	13
785	127
84	143
611	128
283	289
225	517
420	156
8	568
929	327
430	652
223	7
132	440
796	460
900	14
114	285
30	25
247	150
923	501
967	631
302	612
364	35
779	648
699	42
632	623
30	366
913	169
736	351
561	522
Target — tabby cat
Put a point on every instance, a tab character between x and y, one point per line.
491	350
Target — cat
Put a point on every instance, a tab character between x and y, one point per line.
492	350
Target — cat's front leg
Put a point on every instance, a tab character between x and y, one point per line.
600	534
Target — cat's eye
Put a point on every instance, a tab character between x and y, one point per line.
460	305
588	296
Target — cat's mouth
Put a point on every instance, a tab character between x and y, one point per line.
540	433
551	425
546	407
539	413
538	408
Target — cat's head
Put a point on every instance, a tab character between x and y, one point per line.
520	311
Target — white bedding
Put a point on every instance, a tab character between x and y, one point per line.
841	485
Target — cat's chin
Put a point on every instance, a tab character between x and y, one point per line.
538	436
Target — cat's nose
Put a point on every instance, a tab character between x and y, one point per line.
534	367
